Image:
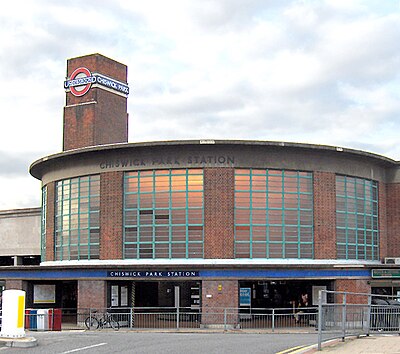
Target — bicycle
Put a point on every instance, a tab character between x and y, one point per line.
105	321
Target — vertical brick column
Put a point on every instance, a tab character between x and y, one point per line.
92	294
324	215
353	286
99	116
50	222
218	213
393	219
17	284
111	215
218	295
382	220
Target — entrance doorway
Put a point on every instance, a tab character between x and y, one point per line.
154	294
282	293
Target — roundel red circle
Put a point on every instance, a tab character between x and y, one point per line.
78	74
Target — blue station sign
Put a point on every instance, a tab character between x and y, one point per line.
152	274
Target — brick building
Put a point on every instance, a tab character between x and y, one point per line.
204	223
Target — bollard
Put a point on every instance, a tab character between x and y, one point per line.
13	314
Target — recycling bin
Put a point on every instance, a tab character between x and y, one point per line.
42	320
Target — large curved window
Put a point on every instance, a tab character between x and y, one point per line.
273	214
357	218
163	214
77	218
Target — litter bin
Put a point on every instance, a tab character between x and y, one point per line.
27	318
43	320
55	319
33	320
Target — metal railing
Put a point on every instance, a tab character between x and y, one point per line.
342	318
214	318
362	315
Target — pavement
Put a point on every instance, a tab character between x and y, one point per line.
373	344
24	342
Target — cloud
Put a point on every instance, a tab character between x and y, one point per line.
324	72
13	164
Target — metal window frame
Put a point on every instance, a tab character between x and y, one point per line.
64	214
184	188
370	250
282	174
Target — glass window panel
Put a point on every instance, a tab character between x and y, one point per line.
242	233
258	217
242	182
195	233
275	233
178	216
195	199
306	251
131	234
171	200
259	233
275	200
275	250
195	216
162	200
79	204
242	200
259	183
259	250
291	250
273	206
195	250
275	183
243	250
357	209
242	216
145	250
275	217
259	200
130	251
179	200
161	250
178	250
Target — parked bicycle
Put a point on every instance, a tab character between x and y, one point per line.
105	321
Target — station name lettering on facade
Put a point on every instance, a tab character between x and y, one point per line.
198	160
152	274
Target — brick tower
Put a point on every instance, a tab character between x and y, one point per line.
96	102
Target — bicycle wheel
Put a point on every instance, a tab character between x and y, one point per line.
92	323
114	324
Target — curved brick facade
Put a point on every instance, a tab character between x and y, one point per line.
323	217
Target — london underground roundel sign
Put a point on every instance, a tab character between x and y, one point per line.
80	81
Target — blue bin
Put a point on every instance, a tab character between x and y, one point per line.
33	320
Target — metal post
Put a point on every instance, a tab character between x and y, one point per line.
225	320
177	304
131	317
344	314
133	299
369	314
273	319
320	320
177	318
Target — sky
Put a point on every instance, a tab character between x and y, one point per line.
321	72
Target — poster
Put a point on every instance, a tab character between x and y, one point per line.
44	294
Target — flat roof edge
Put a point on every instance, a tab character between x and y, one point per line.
278	144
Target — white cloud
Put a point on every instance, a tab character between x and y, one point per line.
324	72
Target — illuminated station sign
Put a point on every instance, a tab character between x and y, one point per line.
81	80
